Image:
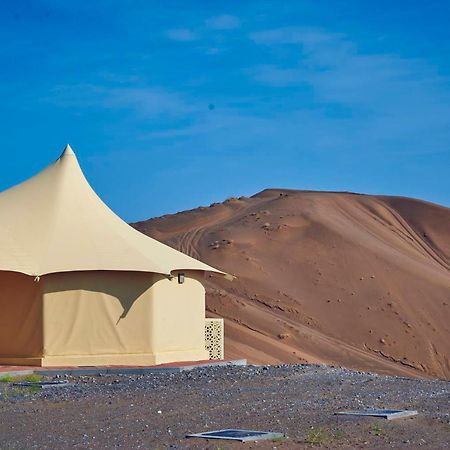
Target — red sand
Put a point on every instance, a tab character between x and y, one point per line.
354	280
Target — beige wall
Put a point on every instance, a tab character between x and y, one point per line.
103	317
20	316
178	312
97	312
95	318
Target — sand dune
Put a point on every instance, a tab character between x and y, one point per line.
352	280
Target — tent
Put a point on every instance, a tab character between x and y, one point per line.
79	286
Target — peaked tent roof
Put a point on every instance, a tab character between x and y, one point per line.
55	222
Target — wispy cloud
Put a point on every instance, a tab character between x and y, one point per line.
295	35
144	101
273	75
181	35
148	101
223	22
392	98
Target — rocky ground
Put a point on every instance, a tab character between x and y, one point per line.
157	411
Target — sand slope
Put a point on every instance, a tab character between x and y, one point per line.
353	280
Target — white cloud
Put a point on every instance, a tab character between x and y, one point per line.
147	101
143	101
294	35
393	99
273	75
223	22
361	102
181	35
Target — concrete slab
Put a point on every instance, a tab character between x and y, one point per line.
15	372
43	384
233	434
388	414
117	370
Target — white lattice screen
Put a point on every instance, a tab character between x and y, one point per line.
214	332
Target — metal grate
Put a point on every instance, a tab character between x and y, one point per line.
238	435
388	414
214	332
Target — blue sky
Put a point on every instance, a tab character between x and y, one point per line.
175	104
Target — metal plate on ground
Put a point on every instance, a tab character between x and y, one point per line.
388	414
238	435
43	384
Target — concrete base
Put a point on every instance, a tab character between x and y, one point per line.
138	359
119	370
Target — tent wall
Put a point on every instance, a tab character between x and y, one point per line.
94	318
20	319
178	319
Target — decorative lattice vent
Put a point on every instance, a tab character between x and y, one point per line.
214	338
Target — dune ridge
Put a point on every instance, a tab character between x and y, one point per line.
339	278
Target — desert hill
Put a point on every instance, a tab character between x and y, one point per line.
354	280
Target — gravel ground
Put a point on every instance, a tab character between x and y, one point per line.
156	411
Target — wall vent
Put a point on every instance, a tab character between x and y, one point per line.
214	335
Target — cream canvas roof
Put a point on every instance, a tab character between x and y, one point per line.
55	222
